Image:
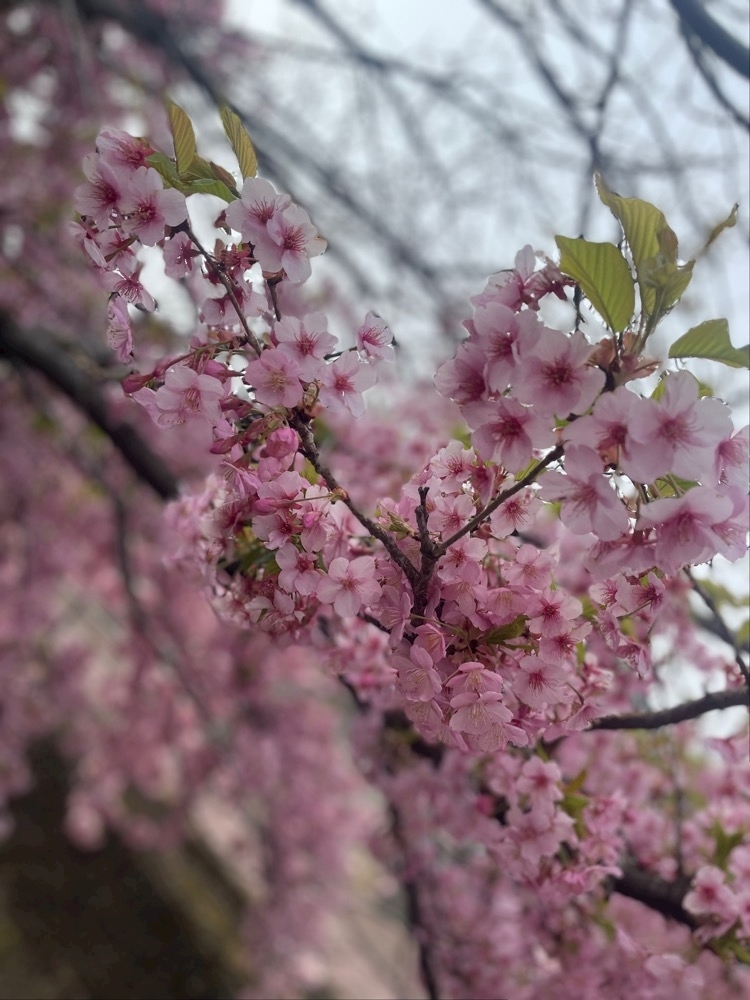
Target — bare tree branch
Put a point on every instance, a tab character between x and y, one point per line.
655	892
38	350
693	14
716	700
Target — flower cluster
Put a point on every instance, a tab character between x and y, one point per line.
488	600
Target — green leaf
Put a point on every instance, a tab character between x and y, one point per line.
728	223
652	243
183	136
196	180
240	142
209	185
165	166
743	634
604	276
512	630
711	340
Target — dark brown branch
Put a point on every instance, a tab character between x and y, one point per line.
37	349
695	18
655	892
716	700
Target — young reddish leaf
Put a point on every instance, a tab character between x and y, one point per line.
183	136
240	141
604	277
710	340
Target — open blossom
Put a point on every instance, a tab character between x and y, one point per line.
342	383
462	378
418	678
147	207
607	429
538	683
686	526
374	339
119	332
711	896
178	255
588	500
259	202
186	394
503	337
507	432
100	197
349	584
293	240
556	378
298	573
484	722
307	341
679	433
275	377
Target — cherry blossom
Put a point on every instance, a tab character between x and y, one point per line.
186	395
276	378
588	502
342	383
147	207
348	585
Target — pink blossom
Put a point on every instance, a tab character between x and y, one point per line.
454	465
128	286
178	255
307	341
588	500
293	240
275	378
462	378
343	382
298	573
485	721
679	433
374	339
100	198
349	584
504	337
258	204
507	432
186	394
733	459
147	208
119	332
539	781
552	612
608	428
538	683
418	678
686	526
556	378
710	896
122	150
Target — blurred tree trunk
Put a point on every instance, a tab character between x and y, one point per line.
111	923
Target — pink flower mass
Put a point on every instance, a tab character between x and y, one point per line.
485	582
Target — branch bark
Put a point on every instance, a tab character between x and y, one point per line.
680	713
37	349
696	20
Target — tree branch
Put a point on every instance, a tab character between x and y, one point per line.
655	892
40	351
716	700
694	17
